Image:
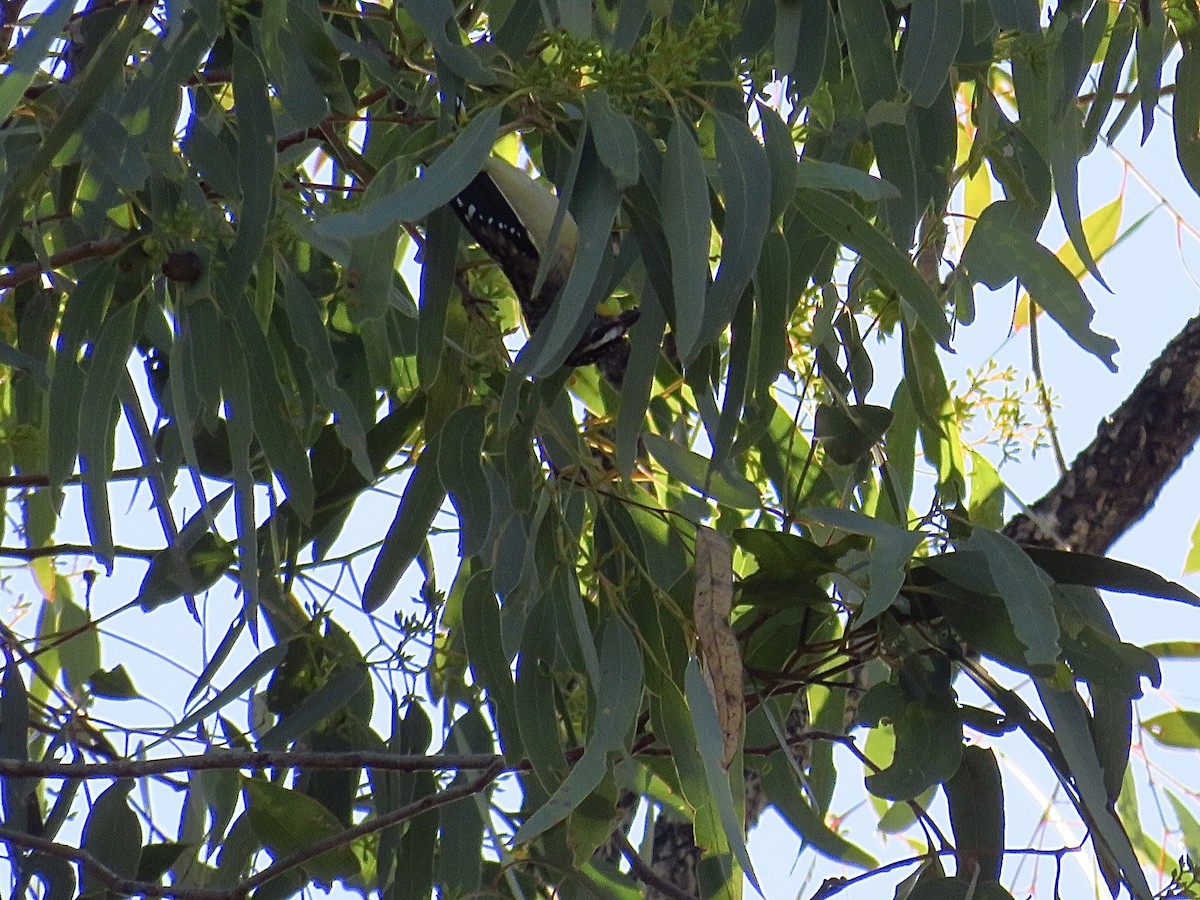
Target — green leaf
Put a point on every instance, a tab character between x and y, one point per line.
112	835
1065	151
462	822
310	333
255	165
115	684
1177	728
781	152
1185	109
711	744
745	176
275	429
930	43
1016	15
774	298
928	733
849	433
613	134
1100	228
257	669
1066	567
789	566
644	349
692	469
534	697
1026	592
1150	47
235	387
460	443
437	185
975	797
846	225
685	205
26	59
80	647
490	665
1187	824
870	43
437	19
894	547
986	503
1069	721
1120	40
618	699
937	414
438	269
343	687
14	745
819	175
998	252
374	288
193	564
286	821
1191	563
422	498
158	858
97	413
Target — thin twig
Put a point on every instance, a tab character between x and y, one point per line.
370	826
643	873
117	883
235	759
315	759
28	553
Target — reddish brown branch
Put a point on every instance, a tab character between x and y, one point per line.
119	884
87	250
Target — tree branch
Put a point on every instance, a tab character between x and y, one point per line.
315	759
1115	480
235	759
87	250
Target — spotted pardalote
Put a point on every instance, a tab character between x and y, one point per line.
512	219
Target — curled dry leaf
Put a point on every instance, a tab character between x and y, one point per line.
718	644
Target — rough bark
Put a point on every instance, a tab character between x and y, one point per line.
1115	480
1110	486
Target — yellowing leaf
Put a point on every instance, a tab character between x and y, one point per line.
722	658
1192	563
977	196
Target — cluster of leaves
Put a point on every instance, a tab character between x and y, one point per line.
225	193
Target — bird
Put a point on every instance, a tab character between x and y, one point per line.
512	218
